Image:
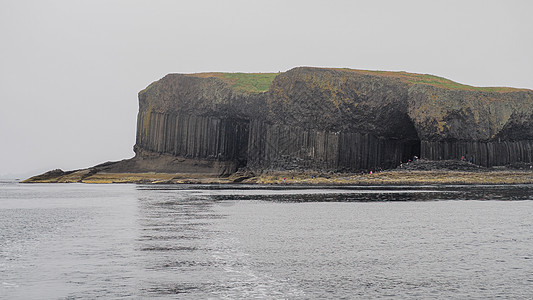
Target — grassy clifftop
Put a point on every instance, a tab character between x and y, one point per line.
260	82
432	80
243	82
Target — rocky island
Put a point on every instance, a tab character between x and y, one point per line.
323	125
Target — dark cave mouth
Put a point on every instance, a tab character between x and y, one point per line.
412	143
411	149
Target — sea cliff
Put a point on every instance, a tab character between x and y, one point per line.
322	120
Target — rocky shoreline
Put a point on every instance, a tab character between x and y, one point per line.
420	172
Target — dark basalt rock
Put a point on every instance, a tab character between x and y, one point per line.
441	165
51	175
327	120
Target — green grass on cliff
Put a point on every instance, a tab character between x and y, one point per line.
260	82
244	82
413	78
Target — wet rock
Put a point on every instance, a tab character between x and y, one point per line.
52	175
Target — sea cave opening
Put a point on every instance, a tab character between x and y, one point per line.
411	148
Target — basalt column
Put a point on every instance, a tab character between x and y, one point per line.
488	154
282	147
485	127
192	136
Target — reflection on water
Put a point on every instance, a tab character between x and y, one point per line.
353	193
242	242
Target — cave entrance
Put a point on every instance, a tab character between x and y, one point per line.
236	133
410	149
407	132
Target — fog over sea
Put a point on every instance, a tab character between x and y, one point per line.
86	241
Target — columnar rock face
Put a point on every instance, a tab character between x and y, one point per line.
194	136
489	127
329	120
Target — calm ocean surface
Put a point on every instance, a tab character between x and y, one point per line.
80	241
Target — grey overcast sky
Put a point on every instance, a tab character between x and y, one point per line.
70	70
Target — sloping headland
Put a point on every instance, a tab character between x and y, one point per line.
323	126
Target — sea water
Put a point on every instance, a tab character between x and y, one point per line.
80	241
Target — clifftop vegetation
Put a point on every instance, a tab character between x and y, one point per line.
260	82
243	82
432	80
